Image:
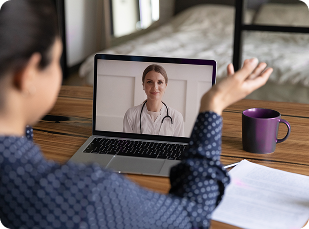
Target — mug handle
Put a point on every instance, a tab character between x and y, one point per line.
288	133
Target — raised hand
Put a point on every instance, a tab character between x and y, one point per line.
236	86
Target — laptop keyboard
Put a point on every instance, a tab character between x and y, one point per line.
136	148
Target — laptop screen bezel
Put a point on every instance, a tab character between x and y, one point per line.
97	57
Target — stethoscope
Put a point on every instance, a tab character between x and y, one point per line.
166	116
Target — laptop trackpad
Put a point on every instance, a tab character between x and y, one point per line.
168	164
137	165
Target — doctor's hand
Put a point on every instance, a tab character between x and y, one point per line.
235	86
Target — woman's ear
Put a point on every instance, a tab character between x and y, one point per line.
23	80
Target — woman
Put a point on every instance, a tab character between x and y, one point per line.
153	116
36	193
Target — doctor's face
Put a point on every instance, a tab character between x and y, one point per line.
154	85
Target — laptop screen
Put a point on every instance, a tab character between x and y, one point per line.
149	97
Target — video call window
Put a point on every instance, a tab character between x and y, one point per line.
125	98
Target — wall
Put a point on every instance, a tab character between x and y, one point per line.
81	29
166	10
82	34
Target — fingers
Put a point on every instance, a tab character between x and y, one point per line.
247	69
230	70
257	71
260	80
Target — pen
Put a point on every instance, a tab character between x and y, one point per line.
231	165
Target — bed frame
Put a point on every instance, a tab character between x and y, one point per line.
240	27
241	6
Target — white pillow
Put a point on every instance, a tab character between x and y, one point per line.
283	15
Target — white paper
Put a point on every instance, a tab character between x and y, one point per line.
262	197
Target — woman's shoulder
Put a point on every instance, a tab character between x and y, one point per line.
134	110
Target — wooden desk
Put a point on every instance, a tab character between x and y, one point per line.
60	138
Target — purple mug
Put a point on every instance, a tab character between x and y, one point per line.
260	130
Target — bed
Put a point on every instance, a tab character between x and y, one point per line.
205	31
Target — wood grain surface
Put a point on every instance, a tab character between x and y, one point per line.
69	124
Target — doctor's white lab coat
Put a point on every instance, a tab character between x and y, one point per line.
131	122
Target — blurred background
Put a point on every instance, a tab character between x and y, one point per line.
275	31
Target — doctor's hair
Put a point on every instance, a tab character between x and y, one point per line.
157	68
26	27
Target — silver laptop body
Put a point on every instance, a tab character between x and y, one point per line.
190	78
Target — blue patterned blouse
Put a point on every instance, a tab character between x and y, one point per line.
36	193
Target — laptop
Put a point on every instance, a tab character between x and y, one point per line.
118	89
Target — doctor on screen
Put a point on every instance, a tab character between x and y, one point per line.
153	116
